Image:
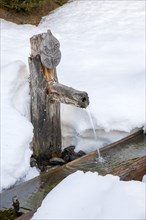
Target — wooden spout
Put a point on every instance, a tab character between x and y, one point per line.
68	95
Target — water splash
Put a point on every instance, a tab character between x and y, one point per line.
98	157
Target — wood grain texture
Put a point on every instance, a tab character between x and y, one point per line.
45	115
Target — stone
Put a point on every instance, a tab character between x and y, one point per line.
81	153
33	162
69	154
56	161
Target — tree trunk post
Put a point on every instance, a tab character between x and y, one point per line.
46	95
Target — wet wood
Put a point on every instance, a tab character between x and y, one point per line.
133	169
125	158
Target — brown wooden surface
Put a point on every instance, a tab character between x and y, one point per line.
45	115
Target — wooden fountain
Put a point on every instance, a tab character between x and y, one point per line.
46	95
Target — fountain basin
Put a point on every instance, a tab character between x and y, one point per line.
125	158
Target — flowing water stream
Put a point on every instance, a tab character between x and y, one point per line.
99	158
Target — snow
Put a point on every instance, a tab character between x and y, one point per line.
16	128
91	196
102	53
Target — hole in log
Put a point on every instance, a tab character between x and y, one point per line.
84	99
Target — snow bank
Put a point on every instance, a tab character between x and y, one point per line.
91	196
16	132
103	53
16	129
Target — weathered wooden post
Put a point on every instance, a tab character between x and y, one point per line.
46	95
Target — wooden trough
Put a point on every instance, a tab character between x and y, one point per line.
125	158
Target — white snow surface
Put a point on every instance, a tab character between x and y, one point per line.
102	45
16	128
91	196
103	53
